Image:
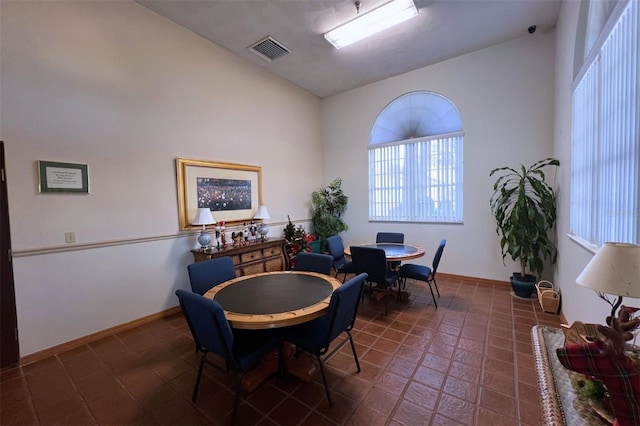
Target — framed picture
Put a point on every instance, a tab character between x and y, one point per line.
233	192
62	177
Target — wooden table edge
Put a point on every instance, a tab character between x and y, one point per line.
282	319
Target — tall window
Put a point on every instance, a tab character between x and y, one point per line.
415	161
605	169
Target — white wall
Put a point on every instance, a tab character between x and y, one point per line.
117	87
505	97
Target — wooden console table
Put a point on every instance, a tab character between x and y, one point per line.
560	403
253	258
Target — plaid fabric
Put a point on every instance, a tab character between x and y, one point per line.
618	373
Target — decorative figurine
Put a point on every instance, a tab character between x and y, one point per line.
222	236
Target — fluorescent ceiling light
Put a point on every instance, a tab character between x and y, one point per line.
385	16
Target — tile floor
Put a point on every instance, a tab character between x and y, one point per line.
469	362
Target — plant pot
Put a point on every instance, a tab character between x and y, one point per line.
523	286
315	246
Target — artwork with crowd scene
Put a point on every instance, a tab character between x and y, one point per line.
224	194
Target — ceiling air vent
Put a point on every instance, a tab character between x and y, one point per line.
269	48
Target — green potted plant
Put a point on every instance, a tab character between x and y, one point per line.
328	204
524	206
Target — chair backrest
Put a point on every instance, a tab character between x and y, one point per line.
314	262
336	249
208	323
390	237
437	257
343	308
372	261
209	273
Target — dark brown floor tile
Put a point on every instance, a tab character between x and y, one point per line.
429	377
391	382
464	371
18	411
489	417
394	335
376	357
499	383
530	411
498	402
467	357
439	420
366	416
456	409
410	414
422	395
436	362
420	365
402	367
385	345
461	389
314	419
341	410
380	400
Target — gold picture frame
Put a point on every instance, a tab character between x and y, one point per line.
232	191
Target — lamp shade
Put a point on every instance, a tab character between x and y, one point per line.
615	269
262	213
204	217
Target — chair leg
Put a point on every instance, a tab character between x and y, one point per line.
432	295
324	380
197	385
386	301
236	399
436	284
353	349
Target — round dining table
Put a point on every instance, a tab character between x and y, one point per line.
394	251
274	299
271	300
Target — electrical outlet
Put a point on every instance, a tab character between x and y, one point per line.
69	237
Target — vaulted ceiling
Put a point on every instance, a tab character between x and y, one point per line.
442	30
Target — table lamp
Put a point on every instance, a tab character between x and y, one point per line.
262	213
615	269
204	217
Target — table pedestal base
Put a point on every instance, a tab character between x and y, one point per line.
303	367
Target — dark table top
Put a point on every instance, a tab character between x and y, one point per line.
395	251
274	299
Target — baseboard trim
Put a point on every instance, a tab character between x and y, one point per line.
72	344
466	278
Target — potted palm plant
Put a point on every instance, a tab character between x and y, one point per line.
524	206
328	204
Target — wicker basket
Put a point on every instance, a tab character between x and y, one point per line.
548	296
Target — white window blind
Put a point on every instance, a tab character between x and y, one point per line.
605	187
417	180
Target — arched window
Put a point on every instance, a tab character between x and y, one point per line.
415	160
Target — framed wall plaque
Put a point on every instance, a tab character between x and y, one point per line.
54	176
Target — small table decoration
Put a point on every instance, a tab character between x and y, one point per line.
609	366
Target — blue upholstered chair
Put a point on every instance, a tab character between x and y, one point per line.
424	273
340	262
241	349
391	237
209	273
316	336
314	262
373	262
